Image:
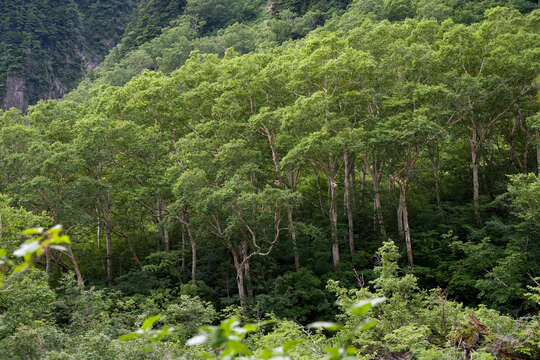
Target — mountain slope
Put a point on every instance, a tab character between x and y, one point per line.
47	45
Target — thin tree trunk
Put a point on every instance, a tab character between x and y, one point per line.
293	237
247	270
346	198
333	221
108	244
108	239
400	218
162	223
130	244
98	228
328	193
184	220
485	184
193	246
521	162
436	160
356	200
319	188
165	236
405	215
157	219
476	184
292	186
193	255
183	260
376	172
47	260
354	193
377	205
75	266
293	179
363	189
239	279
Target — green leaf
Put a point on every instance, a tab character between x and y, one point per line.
161	334
325	325
26	248
250	327
197	340
360	310
33	231
366	325
130	336
208	356
332	352
237	347
266	354
19	268
64	239
291	344
362	307
148	323
58	247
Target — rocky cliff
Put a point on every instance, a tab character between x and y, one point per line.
48	45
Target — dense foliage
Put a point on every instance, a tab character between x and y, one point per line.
252	160
48	45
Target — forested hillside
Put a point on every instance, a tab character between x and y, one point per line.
279	163
47	46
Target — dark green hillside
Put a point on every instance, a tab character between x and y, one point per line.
275	164
149	20
47	46
104	23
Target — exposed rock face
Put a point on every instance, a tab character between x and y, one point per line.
14	95
47	47
56	90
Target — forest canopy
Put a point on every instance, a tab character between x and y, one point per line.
280	163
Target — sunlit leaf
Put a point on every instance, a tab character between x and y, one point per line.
362	307
33	231
291	344
58	247
19	268
325	325
198	339
238	347
64	239
148	323
26	248
162	333
360	310
250	327
366	325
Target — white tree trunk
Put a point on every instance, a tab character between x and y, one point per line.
347	201
476	183
405	217
333	221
